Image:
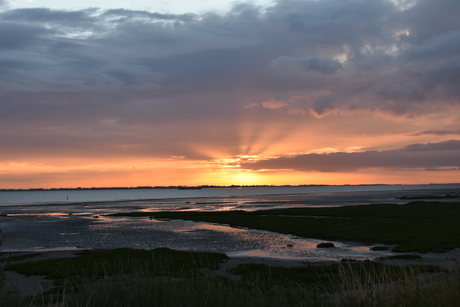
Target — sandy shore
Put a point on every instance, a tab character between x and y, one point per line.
35	285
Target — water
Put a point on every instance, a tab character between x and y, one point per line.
48	196
46	220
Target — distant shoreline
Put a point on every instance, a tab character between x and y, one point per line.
212	187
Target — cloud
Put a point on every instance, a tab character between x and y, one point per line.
427	19
417	156
130	14
441	46
41	16
95	48
24	35
86	81
323	103
409	92
311	63
436	132
452	145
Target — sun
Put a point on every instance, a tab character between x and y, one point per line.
246	178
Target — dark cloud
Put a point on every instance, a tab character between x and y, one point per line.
436	132
428	19
443	46
417	156
442	146
15	36
323	103
312	63
334	22
42	16
408	92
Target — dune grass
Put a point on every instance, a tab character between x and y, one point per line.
412	227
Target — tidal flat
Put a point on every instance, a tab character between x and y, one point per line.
412	227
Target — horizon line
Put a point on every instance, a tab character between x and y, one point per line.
213	186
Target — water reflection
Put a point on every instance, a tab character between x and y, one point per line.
46	232
73	226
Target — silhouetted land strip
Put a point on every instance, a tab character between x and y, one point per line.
447	196
412	227
198	187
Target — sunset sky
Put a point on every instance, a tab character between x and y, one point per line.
144	93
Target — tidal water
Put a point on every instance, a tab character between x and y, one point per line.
75	219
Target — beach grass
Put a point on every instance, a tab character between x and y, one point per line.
413	227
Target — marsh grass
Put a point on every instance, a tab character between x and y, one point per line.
314	275
166	278
203	290
410	286
365	284
119	278
413	227
120	261
379	248
403	256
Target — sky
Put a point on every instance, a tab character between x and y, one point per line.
160	93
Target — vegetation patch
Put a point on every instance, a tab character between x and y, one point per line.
448	196
164	277
325	245
309	275
6	257
350	260
160	261
405	257
379	248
